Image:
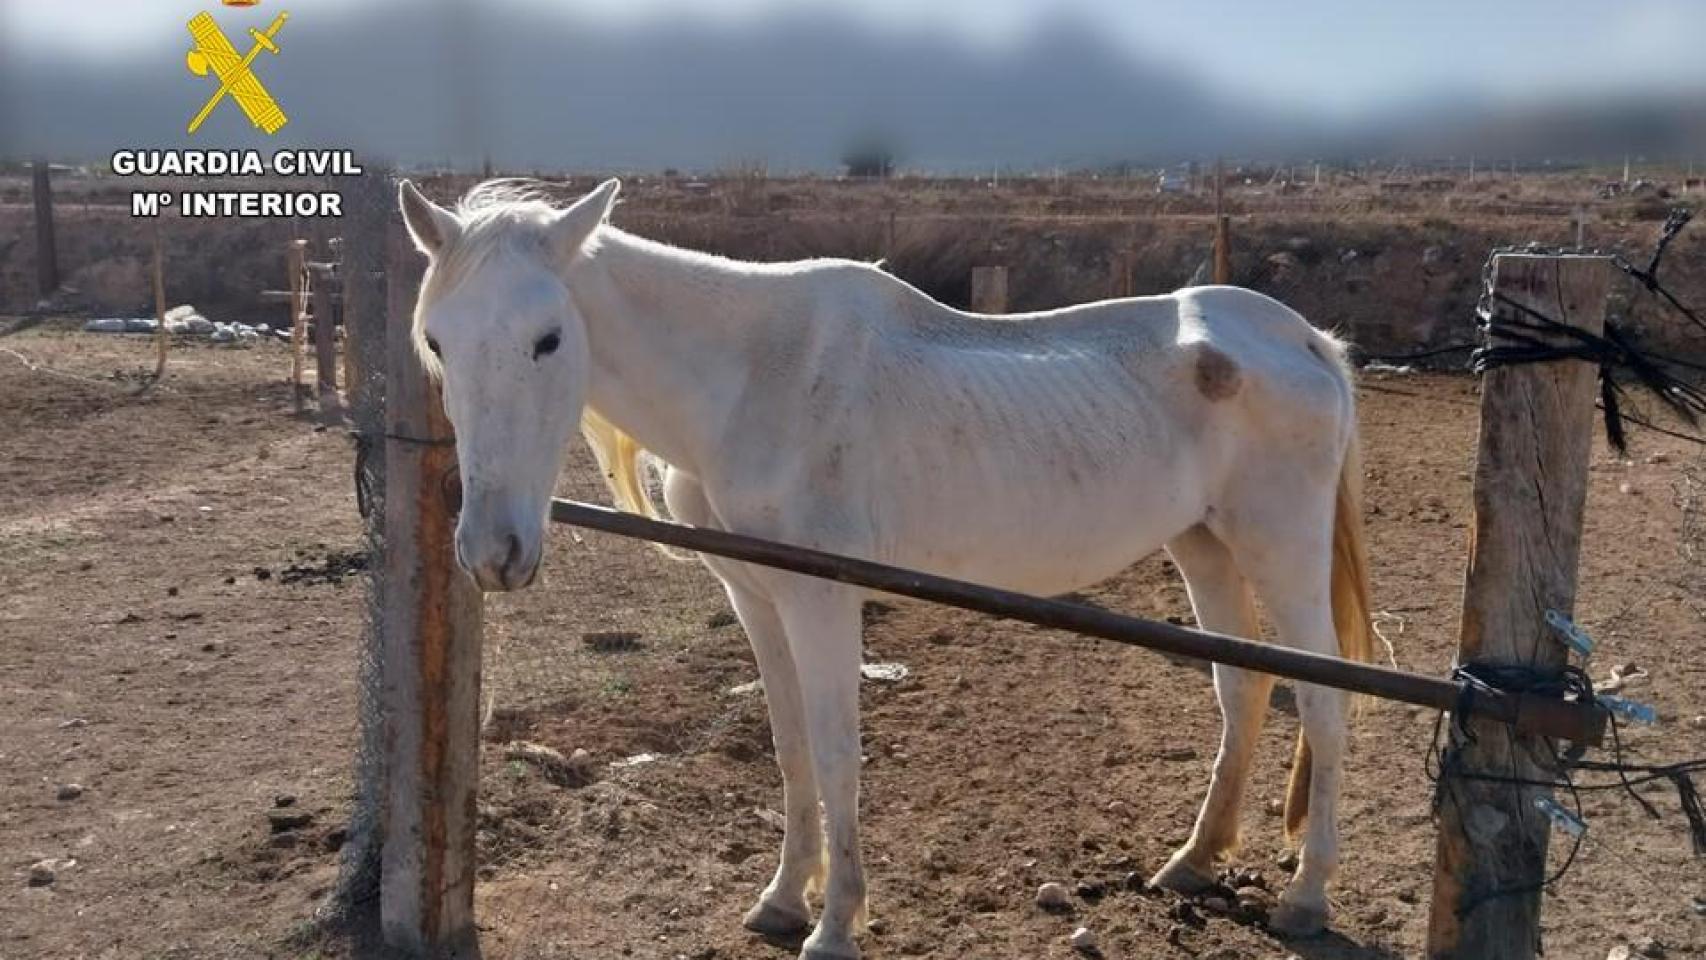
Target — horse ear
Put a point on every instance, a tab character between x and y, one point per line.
574	225
429	224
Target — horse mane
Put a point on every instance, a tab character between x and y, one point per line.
510	215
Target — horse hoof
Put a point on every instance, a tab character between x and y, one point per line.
776	921
822	950
1180	876
1293	920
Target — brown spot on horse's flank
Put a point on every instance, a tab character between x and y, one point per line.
1218	376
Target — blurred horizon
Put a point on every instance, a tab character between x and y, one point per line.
951	87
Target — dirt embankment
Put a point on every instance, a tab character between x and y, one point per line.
1395	273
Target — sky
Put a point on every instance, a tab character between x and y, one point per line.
1337	58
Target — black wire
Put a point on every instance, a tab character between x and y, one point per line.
1420	355
1442	764
364	449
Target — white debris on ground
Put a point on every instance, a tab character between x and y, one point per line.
884	672
184	321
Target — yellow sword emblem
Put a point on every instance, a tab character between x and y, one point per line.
214	52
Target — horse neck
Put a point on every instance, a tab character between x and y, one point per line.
671	337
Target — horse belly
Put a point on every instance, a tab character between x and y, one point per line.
1058	537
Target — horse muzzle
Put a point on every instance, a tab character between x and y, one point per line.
500	561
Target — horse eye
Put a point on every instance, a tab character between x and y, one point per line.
433	346
547	344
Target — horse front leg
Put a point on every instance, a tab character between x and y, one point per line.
823	628
782	909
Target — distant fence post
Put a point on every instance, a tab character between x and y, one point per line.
1222	228
325	341
1222	244
1530	488
47	252
1120	269
989	289
298	315
1222	249
159	305
430	627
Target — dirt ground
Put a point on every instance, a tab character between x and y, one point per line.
178	634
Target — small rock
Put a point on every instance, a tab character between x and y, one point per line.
1187	914
286	820
76	722
1053	896
1659	458
1177	753
1287	860
1083	940
1254	901
43	873
1650	948
1619	952
1626	488
1090	889
283	800
1699	905
743	689
876	926
1275	807
68	792
771	819
1216	905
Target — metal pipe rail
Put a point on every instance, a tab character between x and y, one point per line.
1530	713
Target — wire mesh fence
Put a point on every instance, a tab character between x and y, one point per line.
369	212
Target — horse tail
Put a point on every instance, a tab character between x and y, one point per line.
1352	610
618	457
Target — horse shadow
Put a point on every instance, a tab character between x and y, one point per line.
1334	945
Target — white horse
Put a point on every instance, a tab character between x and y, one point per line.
829	404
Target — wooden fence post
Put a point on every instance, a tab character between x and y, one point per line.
298	316
989	289
1119	274
159	305
325	342
1222	253
431	639
47	252
1530	487
1222	249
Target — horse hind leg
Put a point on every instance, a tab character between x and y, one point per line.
1222	602
1291	570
